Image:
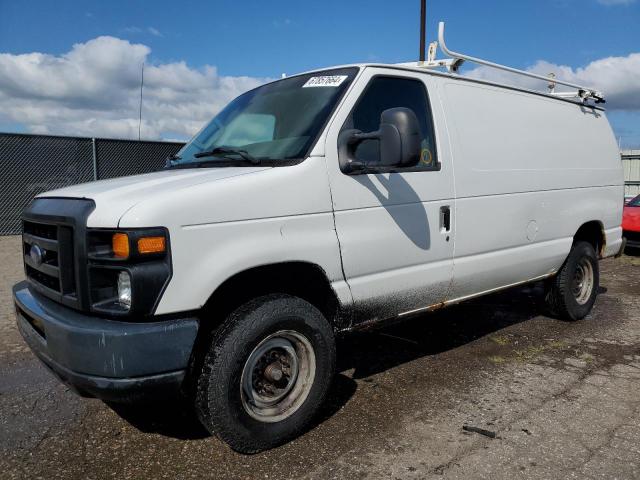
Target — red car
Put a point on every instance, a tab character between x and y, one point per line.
631	222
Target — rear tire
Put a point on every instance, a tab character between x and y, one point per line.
266	373
573	291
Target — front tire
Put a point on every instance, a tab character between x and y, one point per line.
266	373
573	290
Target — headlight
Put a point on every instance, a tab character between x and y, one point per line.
131	246
124	262
124	289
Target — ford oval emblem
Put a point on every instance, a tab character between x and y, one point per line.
37	254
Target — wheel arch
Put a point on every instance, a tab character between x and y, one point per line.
593	233
298	278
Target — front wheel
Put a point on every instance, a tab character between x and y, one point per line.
267	371
573	290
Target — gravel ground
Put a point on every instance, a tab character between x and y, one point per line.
562	398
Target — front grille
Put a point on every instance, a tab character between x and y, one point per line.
54	250
50	281
631	236
42	230
48	258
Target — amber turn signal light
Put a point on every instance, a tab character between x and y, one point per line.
120	245
151	245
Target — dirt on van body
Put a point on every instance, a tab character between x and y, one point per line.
541	398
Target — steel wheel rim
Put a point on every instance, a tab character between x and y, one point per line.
277	377
583	281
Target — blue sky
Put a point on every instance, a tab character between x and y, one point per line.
262	39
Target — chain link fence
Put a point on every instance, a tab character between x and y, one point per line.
32	164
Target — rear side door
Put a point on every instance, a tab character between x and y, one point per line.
395	229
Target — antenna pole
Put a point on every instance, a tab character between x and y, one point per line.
140	109
423	18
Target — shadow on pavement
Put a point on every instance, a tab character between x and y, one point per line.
371	352
432	333
176	418
172	418
632	251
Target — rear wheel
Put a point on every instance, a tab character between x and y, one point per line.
573	290
266	373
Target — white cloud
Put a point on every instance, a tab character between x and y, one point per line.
93	90
617	77
282	23
132	30
136	30
610	3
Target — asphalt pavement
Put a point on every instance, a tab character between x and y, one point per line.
539	398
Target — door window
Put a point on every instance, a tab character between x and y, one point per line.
381	94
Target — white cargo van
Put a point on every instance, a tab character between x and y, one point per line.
313	205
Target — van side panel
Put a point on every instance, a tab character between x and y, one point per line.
529	171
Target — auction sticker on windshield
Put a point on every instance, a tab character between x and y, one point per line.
325	81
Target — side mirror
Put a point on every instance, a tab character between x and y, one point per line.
399	136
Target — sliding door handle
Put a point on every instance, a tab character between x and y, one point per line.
445	219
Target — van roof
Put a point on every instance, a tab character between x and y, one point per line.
413	67
580	96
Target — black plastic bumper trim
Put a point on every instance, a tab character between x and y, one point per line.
118	390
100	355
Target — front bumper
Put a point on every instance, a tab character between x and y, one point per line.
107	359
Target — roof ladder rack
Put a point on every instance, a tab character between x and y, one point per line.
456	59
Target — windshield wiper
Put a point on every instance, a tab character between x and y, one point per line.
168	162
229	151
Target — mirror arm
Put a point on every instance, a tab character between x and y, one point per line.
353	138
360	137
354	166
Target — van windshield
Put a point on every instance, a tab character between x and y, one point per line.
272	124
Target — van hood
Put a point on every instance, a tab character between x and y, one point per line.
114	197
